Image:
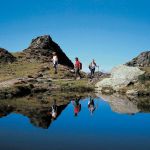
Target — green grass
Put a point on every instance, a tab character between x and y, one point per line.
18	69
75	85
23	68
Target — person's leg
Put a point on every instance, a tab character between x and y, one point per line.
55	67
76	73
79	73
93	72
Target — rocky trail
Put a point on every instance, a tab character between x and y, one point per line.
17	81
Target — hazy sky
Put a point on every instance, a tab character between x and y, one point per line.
111	31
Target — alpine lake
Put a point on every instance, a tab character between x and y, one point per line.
82	121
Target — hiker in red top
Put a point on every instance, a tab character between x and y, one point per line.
77	106
77	67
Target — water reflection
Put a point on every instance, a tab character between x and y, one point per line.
91	105
77	106
121	104
43	111
5	110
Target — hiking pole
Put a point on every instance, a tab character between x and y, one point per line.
98	71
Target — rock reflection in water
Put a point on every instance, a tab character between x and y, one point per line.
5	110
38	109
123	105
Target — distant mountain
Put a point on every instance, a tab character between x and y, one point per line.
142	60
6	57
42	48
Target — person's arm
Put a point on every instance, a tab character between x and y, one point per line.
96	64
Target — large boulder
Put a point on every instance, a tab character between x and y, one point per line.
142	60
6	57
121	77
42	48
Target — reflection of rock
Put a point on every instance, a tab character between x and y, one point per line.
38	107
40	118
121	104
143	103
5	110
121	77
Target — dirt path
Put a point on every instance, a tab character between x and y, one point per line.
9	83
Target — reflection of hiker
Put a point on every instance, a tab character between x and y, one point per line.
77	67
77	106
91	105
92	67
55	62
54	110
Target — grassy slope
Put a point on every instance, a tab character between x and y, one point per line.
23	68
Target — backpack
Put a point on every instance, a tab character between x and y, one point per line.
80	66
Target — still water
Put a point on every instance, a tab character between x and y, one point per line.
114	124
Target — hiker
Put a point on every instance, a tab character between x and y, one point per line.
55	62
91	105
77	68
54	110
77	106
92	67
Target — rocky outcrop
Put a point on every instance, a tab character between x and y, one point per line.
142	60
6	57
121	77
42	48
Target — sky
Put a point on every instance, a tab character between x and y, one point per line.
110	31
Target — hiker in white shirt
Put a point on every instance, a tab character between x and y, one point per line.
55	62
92	67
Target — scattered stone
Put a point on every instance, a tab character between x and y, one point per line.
132	92
30	76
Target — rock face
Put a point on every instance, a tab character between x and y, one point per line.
121	77
42	48
143	60
6	57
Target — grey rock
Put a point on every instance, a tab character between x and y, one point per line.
6	57
121	76
42	48
142	60
132	92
